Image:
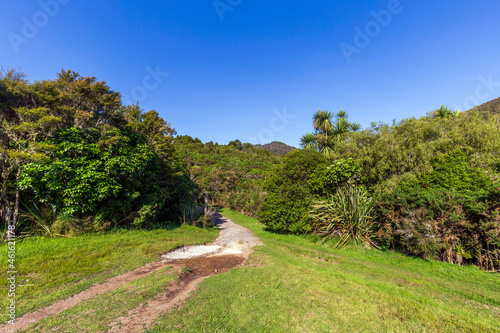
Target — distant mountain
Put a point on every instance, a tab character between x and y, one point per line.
489	107
276	148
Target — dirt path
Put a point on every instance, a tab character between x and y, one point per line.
229	250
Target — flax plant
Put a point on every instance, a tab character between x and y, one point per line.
348	215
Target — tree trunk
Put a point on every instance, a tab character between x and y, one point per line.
11	217
206	202
8	220
16	210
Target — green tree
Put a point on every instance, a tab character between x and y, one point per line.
39	119
23	128
110	173
292	188
328	132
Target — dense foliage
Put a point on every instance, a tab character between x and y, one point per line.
347	215
70	146
294	186
433	182
74	158
233	175
436	183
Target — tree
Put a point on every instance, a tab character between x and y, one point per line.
293	187
327	132
126	154
22	128
445	112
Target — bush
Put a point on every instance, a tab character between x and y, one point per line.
246	202
435	185
443	224
348	214
294	186
448	214
110	173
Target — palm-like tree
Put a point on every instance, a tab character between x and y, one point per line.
445	112
328	132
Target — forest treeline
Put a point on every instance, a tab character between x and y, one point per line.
74	158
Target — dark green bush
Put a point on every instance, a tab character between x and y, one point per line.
107	174
294	186
449	214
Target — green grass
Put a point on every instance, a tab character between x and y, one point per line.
60	267
292	284
96	315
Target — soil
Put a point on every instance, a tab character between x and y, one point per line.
143	317
230	250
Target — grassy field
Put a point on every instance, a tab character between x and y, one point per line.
53	269
95	315
292	284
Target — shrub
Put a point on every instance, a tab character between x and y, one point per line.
295	184
448	214
435	185
348	214
442	224
109	173
246	202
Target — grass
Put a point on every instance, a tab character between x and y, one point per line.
53	269
96	315
293	284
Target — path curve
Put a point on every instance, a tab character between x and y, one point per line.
229	250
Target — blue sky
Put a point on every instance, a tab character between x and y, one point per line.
257	70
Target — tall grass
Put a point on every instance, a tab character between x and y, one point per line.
190	214
348	214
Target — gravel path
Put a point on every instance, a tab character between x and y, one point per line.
233	239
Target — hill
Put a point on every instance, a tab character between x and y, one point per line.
276	148
490	107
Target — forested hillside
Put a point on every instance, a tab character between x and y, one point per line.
490	107
276	147
233	174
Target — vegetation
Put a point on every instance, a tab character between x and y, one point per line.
75	161
276	148
293	187
327	132
348	215
71	147
436	183
294	284
96	314
233	175
491	107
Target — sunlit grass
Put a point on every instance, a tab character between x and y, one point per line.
96	314
56	268
294	284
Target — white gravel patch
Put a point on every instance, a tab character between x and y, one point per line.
230	250
191	252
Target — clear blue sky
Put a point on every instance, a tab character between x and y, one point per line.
232	68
